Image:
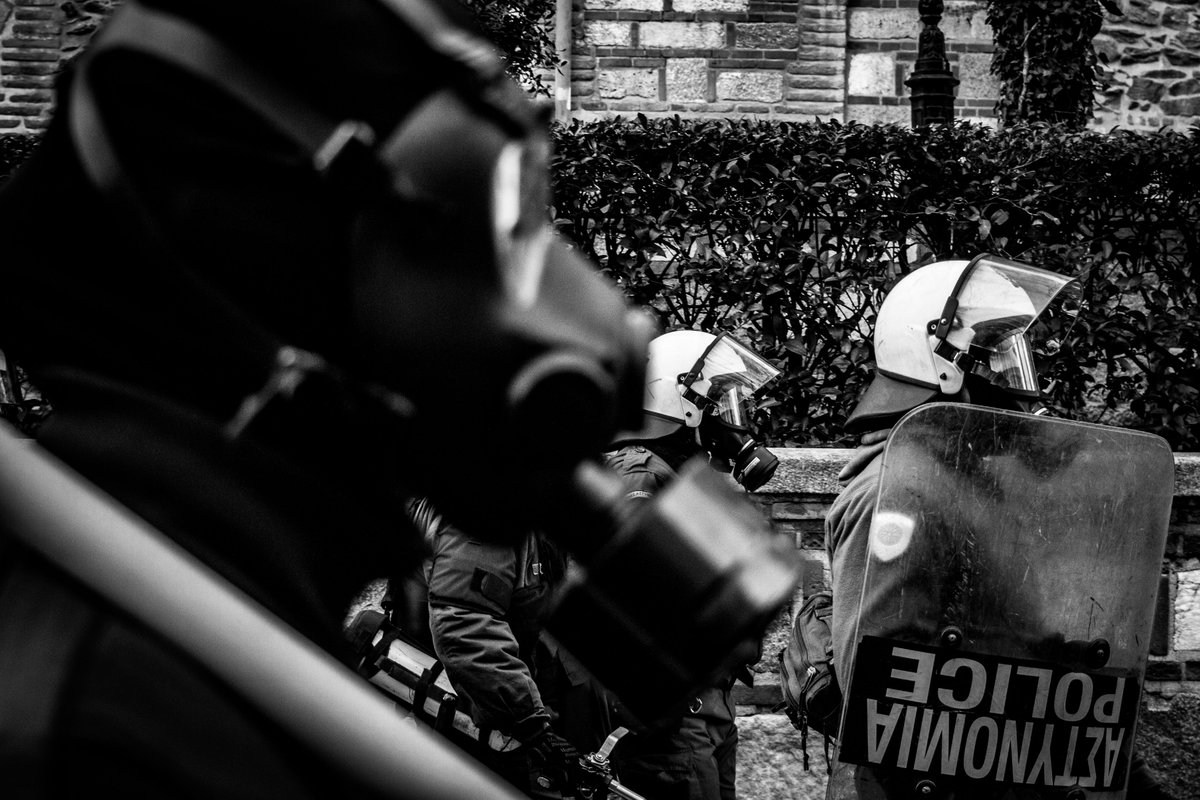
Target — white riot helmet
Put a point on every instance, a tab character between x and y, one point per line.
951	318
698	380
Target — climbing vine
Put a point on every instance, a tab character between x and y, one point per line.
522	31
1045	59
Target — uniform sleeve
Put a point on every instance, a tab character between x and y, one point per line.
470	587
847	533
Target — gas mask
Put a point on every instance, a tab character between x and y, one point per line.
676	595
722	384
452	301
540	361
481	340
734	450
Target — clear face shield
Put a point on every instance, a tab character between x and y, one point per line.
734	374
1002	311
1005	360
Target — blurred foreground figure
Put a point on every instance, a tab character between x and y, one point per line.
993	570
308	275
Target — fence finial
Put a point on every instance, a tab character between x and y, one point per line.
931	82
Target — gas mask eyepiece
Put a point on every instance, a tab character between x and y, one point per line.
722	384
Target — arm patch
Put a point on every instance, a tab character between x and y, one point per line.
470	574
492	586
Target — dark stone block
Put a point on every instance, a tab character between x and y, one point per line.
1188	87
1146	89
1182	58
760	695
1183	107
1160	635
1164	671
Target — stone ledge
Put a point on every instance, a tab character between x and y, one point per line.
813	470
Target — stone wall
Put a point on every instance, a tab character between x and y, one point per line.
848	59
709	58
769	58
780	59
1153	66
770	761
882	48
37	37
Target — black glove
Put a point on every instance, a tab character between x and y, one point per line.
553	762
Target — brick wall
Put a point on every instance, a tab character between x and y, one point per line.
848	59
30	54
882	47
718	58
781	59
770	762
37	37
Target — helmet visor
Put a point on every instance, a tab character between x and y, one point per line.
1000	303
1010	366
734	373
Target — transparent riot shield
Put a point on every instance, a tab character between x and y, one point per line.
1007	608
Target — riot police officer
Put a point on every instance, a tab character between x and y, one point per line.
699	399
955	331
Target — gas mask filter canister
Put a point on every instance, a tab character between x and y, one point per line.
735	450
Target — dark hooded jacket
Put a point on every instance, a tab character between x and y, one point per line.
145	359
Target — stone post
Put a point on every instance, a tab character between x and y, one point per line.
931	83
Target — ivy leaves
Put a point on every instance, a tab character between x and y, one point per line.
522	31
790	234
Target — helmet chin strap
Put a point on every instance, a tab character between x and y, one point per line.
293	367
701	402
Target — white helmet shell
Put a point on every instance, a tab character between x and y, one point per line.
951	317
670	356
691	373
903	343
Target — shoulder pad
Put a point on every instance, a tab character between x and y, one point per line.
643	471
425	518
628	457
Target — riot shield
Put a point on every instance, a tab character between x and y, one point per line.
1007	606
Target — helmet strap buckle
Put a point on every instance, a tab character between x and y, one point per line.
959	358
292	366
695	398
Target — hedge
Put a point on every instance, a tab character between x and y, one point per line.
789	234
14	149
